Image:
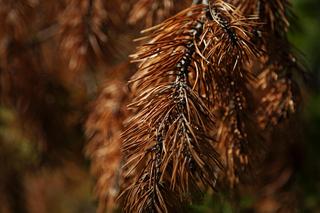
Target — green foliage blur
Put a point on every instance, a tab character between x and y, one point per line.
306	38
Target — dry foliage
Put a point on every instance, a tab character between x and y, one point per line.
213	81
103	129
153	12
199	73
82	29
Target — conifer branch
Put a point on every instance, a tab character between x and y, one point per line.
103	129
279	93
152	12
212	82
82	31
170	139
14	19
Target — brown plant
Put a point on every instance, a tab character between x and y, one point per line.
191	70
83	29
154	11
103	129
212	97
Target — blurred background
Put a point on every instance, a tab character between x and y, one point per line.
43	167
304	37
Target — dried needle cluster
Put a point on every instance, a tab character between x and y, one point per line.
13	19
277	95
278	90
83	29
212	84
191	78
103	129
153	12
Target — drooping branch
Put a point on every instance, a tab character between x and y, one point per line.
152	12
232	96
103	128
83	31
169	141
276	88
